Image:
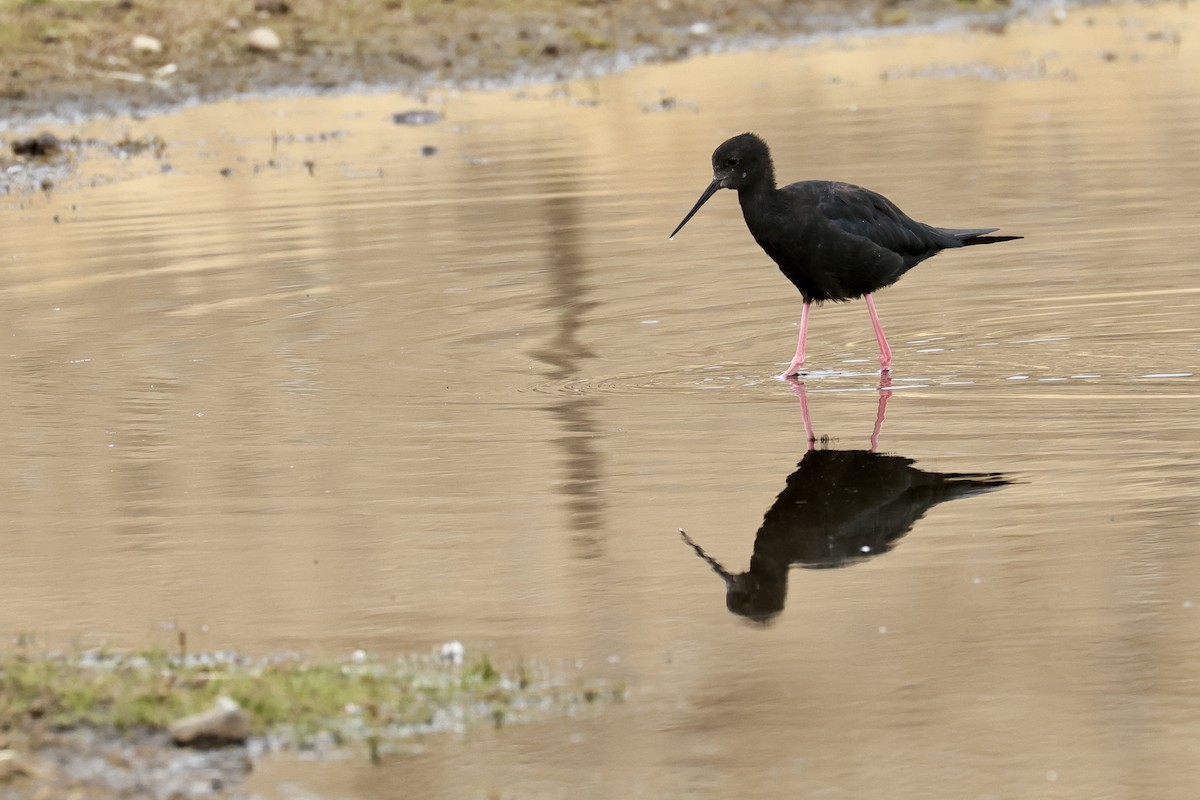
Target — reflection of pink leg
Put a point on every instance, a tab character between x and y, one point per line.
799	391
885	352
798	359
885	392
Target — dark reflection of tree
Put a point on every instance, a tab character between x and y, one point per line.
565	354
839	507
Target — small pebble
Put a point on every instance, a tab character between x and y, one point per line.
452	652
40	146
264	40
272	7
416	117
223	724
146	44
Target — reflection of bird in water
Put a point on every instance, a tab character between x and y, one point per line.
838	508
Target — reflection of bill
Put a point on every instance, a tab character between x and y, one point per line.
838	508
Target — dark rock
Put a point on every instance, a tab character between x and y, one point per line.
416	117
41	146
272	8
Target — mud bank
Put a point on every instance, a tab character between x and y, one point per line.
80	59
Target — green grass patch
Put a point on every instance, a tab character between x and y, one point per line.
364	698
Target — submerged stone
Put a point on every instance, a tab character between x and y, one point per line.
416	117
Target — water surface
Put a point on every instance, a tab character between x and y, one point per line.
352	396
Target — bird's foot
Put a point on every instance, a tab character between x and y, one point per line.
794	368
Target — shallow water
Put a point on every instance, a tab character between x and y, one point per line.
475	396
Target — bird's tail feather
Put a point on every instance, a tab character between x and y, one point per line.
989	240
970	236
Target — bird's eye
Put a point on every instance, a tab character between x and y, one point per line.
732	161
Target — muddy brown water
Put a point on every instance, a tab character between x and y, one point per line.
475	395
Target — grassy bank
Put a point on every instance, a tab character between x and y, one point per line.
351	699
95	724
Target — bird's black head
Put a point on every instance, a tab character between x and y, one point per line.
742	162
753	594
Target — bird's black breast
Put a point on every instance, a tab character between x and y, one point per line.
837	241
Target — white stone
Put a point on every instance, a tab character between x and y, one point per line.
146	44
452	652
224	723
264	40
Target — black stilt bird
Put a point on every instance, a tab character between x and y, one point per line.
834	241
838	508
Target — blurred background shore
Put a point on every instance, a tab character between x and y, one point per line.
91	57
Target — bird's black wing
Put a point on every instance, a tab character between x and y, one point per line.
865	214
834	488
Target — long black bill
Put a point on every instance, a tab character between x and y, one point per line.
712	562
709	192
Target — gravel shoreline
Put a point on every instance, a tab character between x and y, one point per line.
107	726
75	61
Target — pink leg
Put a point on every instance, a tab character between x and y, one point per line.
798	390
885	391
885	352
798	359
